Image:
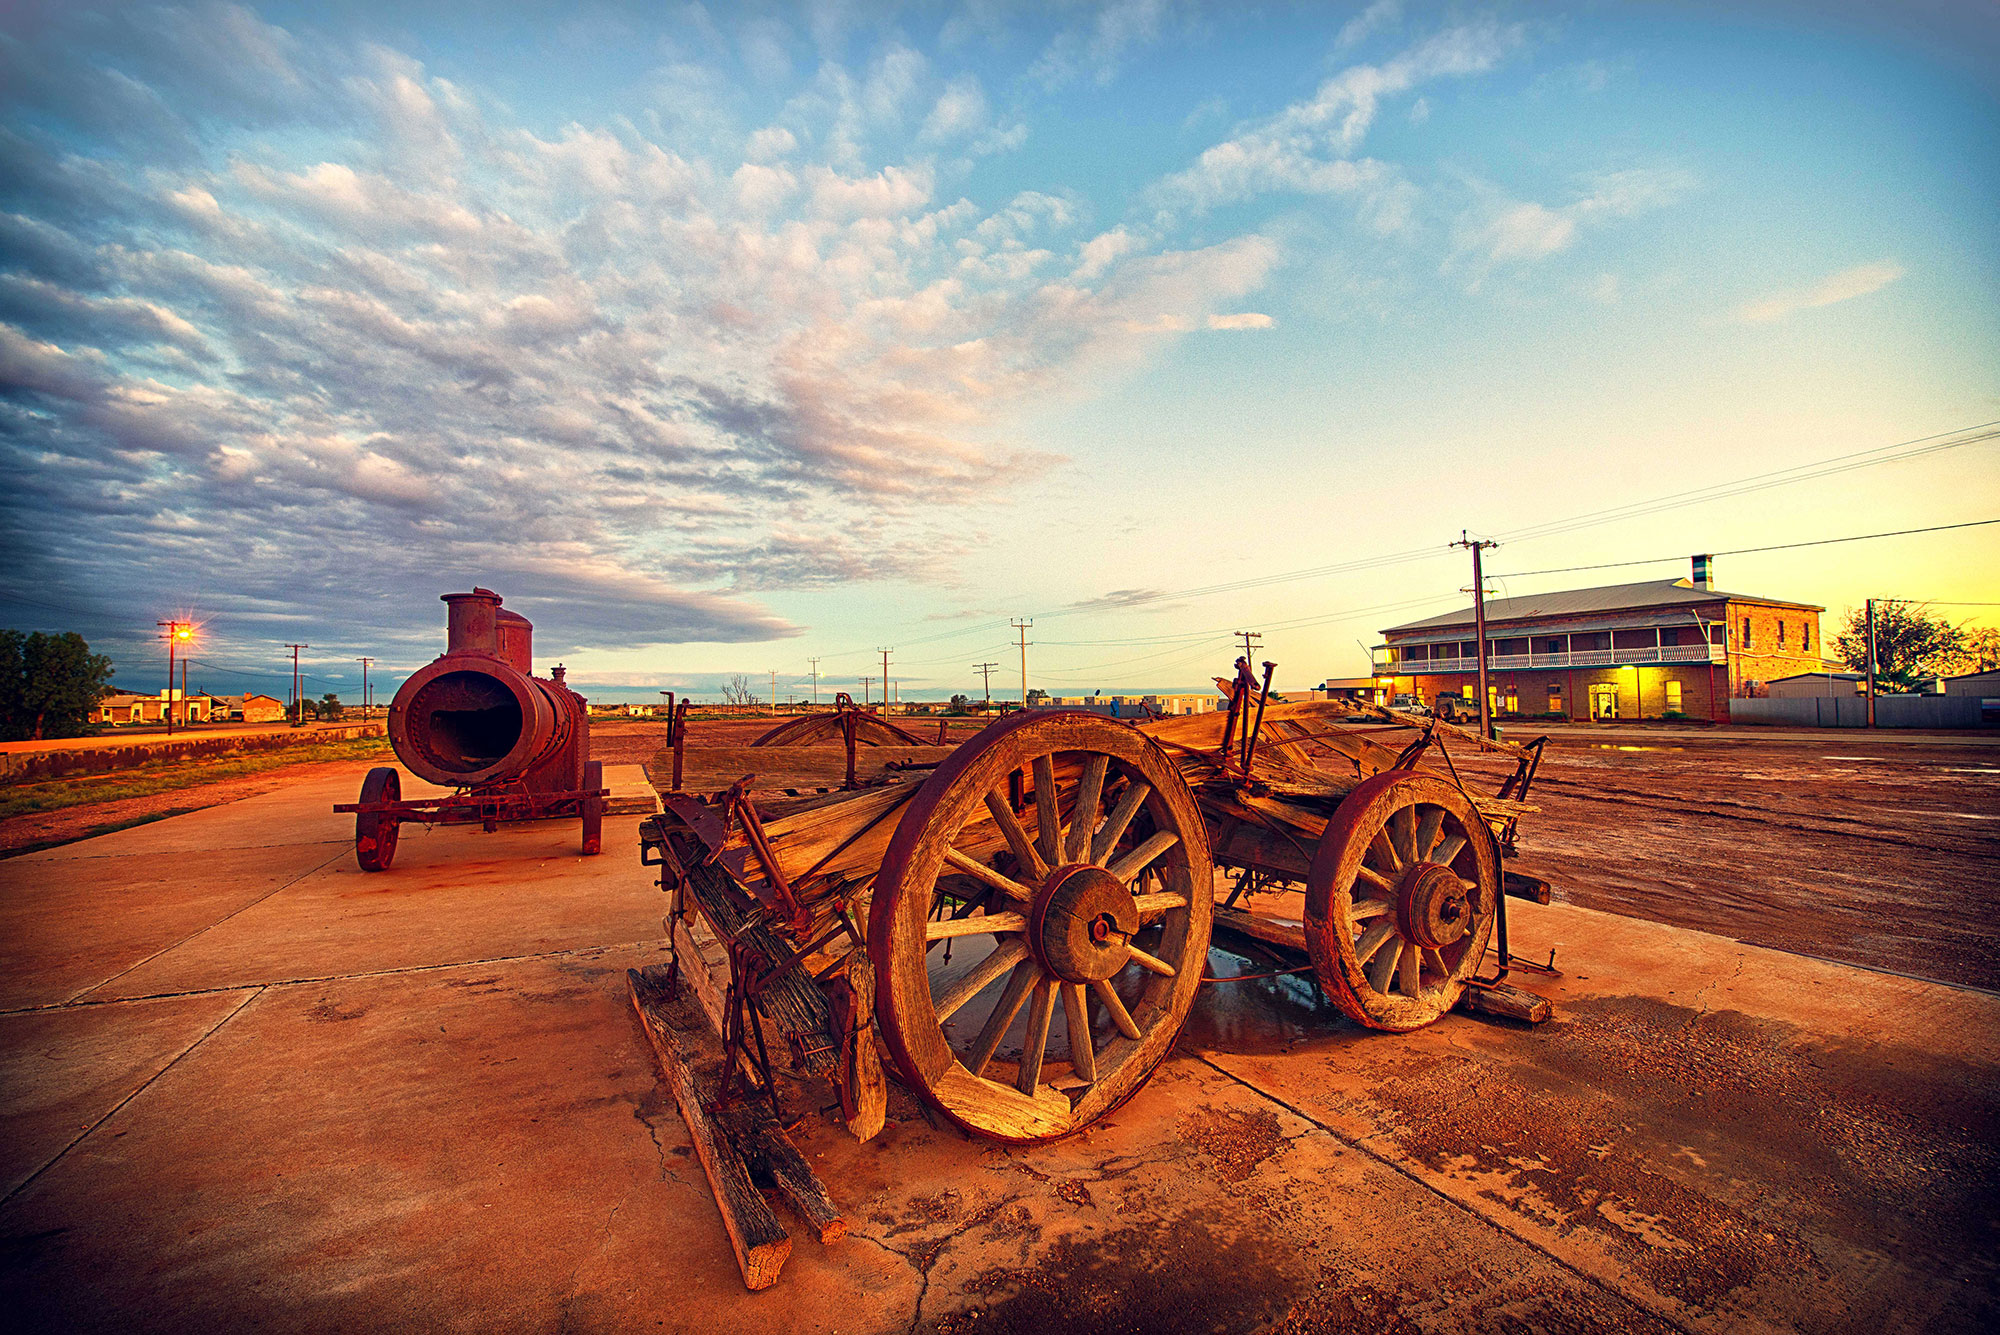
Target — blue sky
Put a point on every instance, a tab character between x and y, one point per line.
718	339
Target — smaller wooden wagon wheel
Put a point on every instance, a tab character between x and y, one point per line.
1401	899
375	831
1056	864
593	809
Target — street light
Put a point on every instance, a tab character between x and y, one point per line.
178	634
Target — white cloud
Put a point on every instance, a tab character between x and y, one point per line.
1308	147
959	111
1119	27
1378	17
1241	320
1497	230
1843	286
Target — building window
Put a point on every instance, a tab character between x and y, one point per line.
1673	697
1781	634
1604	701
1805	637
1744	638
1555	697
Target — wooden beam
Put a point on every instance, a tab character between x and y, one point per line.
1515	1003
672	1023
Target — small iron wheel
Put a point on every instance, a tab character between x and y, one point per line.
1401	900
1054	862
375	831
593	810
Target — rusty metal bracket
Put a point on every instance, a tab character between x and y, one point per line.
737	804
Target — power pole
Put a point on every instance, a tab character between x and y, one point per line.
815	667
177	631
864	689
1251	639
1021	627
367	700
774	689
1871	662
986	670
885	674
1479	626
298	713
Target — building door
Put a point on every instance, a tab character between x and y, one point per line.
1604	701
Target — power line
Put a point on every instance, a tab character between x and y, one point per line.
1749	551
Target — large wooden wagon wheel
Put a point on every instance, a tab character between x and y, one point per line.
1401	899
1055	861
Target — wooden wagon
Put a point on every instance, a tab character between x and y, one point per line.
1054	878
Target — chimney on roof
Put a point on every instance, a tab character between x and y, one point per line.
1704	572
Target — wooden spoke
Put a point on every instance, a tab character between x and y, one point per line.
1372	939
1428	826
1448	848
1112	1003
1089	793
1121	816
1025	975
1076	1013
1472	886
979	871
1402	832
1409	970
1134	862
978	924
1374	878
1436	963
1009	954
1383	967
1040	1007
1384	852
1017	838
1149	905
1048	813
1149	962
1371	908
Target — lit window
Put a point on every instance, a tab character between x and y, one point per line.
1673	697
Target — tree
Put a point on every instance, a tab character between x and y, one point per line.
1982	650
329	708
739	690
960	704
1910	643
1037	695
48	685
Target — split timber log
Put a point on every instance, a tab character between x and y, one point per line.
674	1028
1515	1003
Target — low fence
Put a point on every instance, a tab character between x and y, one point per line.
1851	711
101	757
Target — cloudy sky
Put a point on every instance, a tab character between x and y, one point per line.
720	339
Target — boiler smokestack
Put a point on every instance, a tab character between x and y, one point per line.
1704	572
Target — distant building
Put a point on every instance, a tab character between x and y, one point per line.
1661	648
254	708
1816	684
1981	685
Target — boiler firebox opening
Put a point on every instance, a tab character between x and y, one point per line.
469	721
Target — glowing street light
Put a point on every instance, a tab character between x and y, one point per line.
179	633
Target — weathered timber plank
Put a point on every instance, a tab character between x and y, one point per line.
1285	935
671	1020
790	1000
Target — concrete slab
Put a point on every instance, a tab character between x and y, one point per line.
63	1071
1734	1137
453	894
630	793
70	924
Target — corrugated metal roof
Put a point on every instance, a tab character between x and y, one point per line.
1579	602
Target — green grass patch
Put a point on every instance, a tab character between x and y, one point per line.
166	776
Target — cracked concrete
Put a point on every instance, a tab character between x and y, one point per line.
338	1102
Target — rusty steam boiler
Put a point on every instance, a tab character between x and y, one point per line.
512	745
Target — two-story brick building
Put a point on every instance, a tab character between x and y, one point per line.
1650	650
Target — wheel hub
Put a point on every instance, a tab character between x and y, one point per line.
1080	921
1433	907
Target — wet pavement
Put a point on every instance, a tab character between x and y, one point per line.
247	1085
